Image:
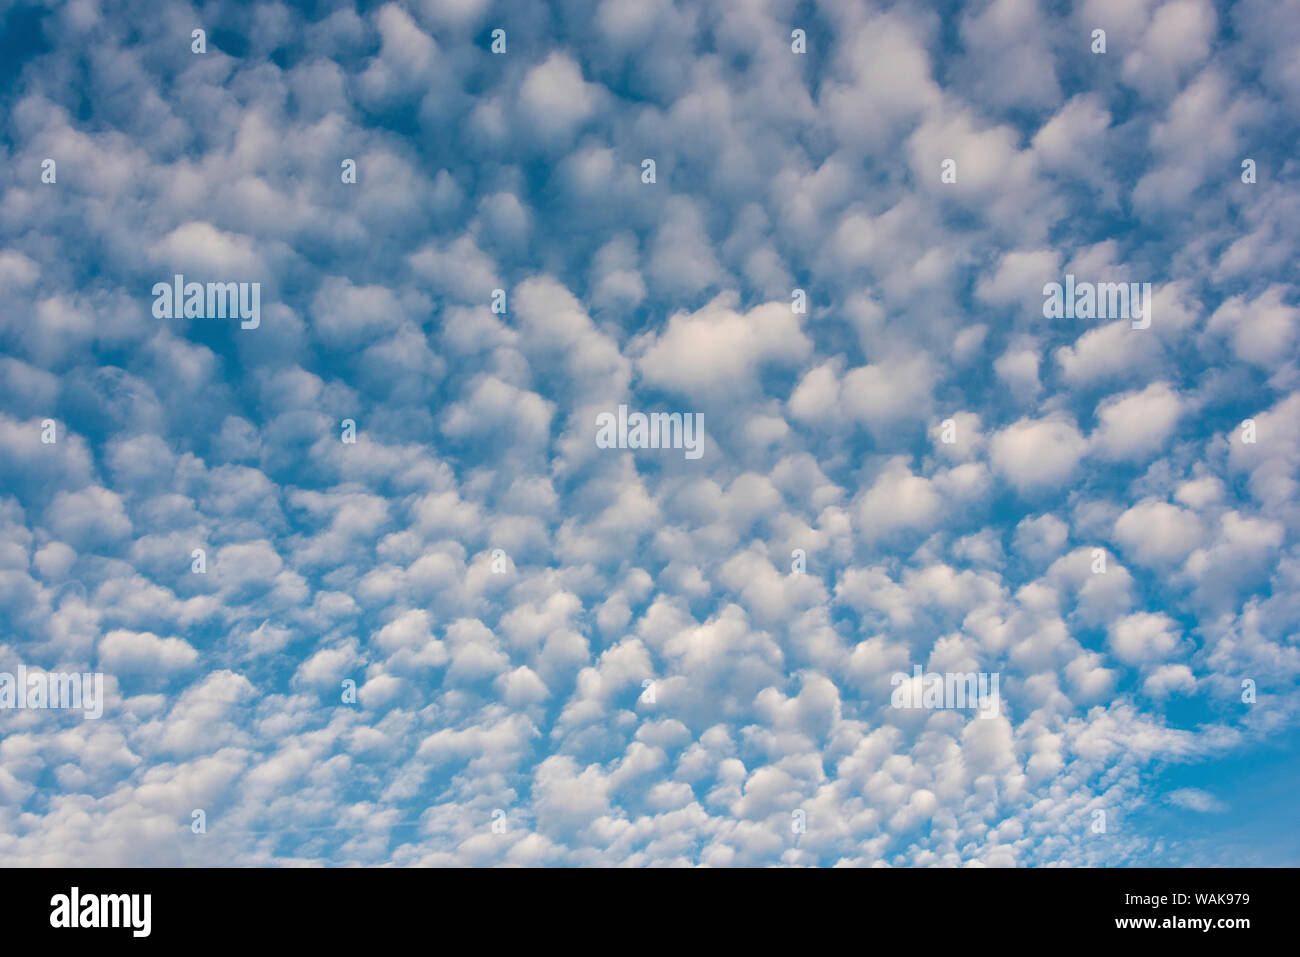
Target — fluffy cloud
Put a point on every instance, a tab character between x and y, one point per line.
371	651
1037	453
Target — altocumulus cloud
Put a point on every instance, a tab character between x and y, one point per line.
363	585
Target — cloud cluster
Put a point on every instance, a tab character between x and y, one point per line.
358	648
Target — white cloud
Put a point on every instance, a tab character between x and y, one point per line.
554	98
720	349
1196	799
1037	453
127	651
1157	533
1136	425
1143	637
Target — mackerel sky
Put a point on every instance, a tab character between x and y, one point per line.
565	654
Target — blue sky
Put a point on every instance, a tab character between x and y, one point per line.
500	588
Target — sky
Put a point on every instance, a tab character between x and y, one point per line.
365	588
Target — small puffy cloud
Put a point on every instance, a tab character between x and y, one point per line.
884	394
1037	453
346	316
1018	369
568	798
1063	142
209	254
1019	278
1196	799
1041	538
721	349
405	63
882	397
1158	533
458	267
1178	36
555	99
1262	330
1136	425
89	517
1169	679
1143	637
1106	353
131	651
492	407
897	500
682	257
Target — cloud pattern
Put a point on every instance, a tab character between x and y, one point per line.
499	588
